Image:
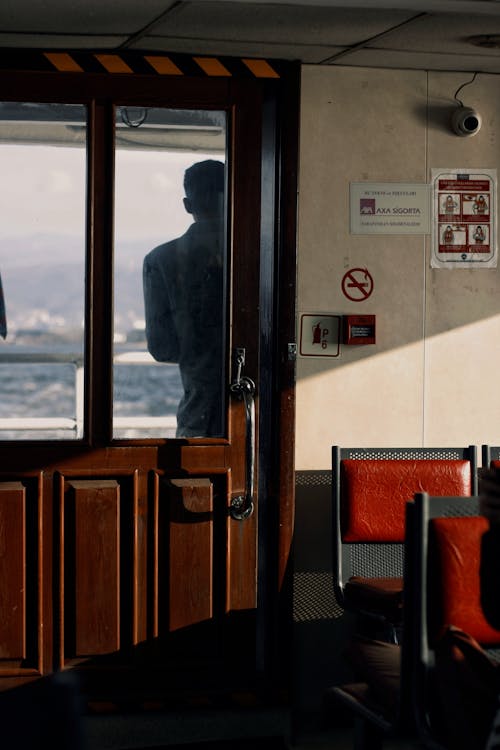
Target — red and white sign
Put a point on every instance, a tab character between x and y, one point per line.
357	284
464	218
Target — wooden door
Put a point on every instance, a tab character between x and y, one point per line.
125	558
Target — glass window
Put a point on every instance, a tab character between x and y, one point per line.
42	270
170	269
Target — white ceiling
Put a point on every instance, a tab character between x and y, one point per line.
417	34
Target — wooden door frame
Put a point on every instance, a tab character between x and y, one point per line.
277	315
277	487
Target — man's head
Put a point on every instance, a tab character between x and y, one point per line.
204	188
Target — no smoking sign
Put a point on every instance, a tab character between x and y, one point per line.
357	284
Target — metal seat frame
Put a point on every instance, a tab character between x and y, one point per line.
489	453
421	658
373	559
417	662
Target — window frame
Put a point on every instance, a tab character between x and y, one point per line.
100	95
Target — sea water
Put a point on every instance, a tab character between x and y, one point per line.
48	390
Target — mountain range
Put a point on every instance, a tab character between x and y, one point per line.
43	284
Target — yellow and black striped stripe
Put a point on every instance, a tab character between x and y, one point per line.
141	63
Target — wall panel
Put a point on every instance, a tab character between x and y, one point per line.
360	125
428	379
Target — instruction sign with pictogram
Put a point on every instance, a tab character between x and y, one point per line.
319	335
357	284
465	221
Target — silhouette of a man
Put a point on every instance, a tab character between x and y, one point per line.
183	297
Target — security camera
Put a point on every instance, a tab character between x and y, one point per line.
466	121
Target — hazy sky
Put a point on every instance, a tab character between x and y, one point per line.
43	191
42	211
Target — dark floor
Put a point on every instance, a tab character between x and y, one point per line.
233	732
341	739
262	743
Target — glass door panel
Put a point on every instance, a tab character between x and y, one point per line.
169	273
42	265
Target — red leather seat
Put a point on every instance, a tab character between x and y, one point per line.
370	490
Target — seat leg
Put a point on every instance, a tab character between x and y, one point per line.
393	633
378	627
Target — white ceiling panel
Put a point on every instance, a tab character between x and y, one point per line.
60	41
267	22
423	61
416	34
75	17
441	34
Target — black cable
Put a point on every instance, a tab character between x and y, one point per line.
462	86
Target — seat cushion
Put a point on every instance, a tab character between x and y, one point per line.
377	595
374	493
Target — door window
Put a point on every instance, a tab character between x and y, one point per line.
169	273
42	270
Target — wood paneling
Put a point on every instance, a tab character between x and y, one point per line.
185	540
25	542
92	551
12	571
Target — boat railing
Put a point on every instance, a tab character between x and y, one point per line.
74	423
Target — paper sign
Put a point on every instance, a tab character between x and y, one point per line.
464	218
389	208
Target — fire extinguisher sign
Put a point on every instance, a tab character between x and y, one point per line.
319	335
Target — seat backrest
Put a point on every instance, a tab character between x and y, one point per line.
489	454
454	585
374	493
442	587
370	488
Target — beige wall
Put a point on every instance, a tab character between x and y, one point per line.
431	378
